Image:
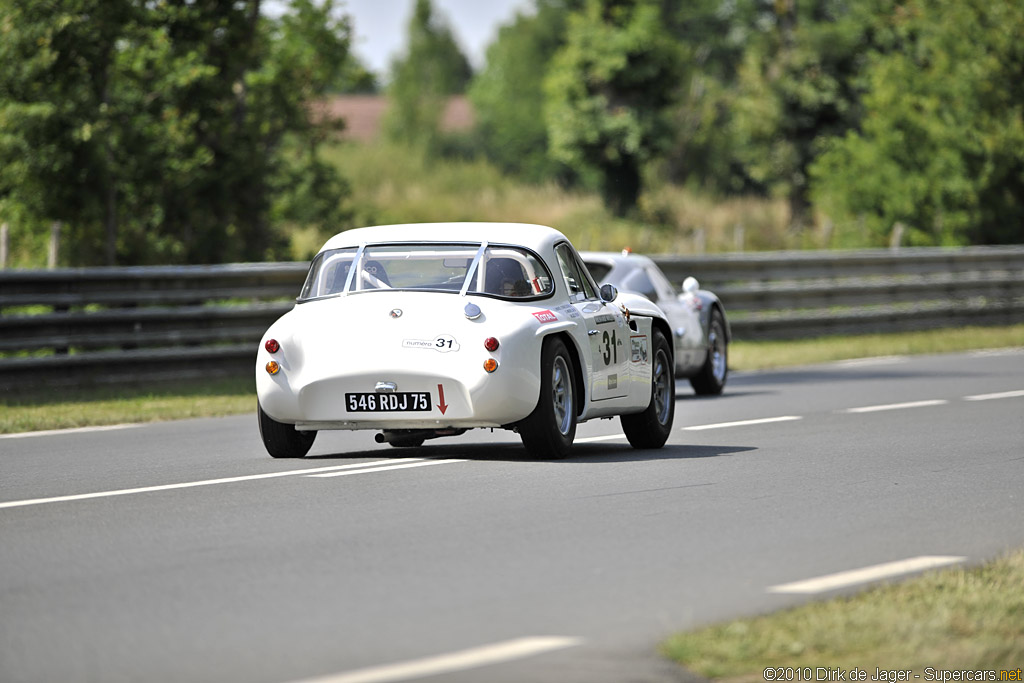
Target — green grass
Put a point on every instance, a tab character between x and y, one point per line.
954	619
63	409
109	405
766	355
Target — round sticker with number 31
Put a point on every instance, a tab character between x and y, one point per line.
445	343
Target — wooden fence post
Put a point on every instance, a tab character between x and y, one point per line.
5	238
54	251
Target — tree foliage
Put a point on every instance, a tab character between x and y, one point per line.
609	92
166	131
795	89
432	69
508	94
940	148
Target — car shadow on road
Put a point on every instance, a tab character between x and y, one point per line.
582	453
690	396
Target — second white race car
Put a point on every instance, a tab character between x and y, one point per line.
700	328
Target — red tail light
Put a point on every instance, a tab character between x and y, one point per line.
491	344
272	346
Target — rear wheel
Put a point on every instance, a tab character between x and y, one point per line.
283	440
711	378
651	428
549	430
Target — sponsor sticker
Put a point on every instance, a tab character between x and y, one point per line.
638	349
545	316
613	381
568	310
604	319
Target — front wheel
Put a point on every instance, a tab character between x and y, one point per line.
283	440
651	428
710	381
549	430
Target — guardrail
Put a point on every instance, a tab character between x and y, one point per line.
787	295
140	324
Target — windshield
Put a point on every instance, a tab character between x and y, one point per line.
495	270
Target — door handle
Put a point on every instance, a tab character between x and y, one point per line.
592	332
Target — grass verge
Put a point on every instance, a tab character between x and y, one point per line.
112	405
961	619
64	409
766	355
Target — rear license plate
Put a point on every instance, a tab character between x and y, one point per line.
400	401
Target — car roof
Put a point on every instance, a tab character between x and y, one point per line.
614	258
538	237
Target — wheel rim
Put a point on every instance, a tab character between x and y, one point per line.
662	387
561	394
718	354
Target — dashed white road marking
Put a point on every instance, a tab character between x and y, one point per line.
1010	351
876	572
74	430
455	661
875	360
385	468
206	482
744	423
896	406
990	397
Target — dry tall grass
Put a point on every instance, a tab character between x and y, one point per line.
393	185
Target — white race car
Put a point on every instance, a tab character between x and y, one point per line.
699	325
428	330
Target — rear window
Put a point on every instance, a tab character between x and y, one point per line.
495	270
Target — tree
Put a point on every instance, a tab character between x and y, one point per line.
941	146
432	69
609	93
796	88
508	94
164	132
716	34
58	110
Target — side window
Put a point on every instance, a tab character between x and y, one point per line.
576	280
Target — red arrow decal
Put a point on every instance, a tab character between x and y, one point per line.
440	392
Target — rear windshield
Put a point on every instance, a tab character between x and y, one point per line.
495	270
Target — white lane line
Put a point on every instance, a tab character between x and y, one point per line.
607	437
990	397
853	577
386	468
875	360
455	661
985	353
193	484
744	423
75	430
896	406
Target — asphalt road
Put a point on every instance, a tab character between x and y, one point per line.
180	551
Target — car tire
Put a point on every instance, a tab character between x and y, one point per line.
652	427
549	430
283	440
710	380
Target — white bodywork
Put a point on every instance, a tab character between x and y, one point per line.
688	311
379	342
